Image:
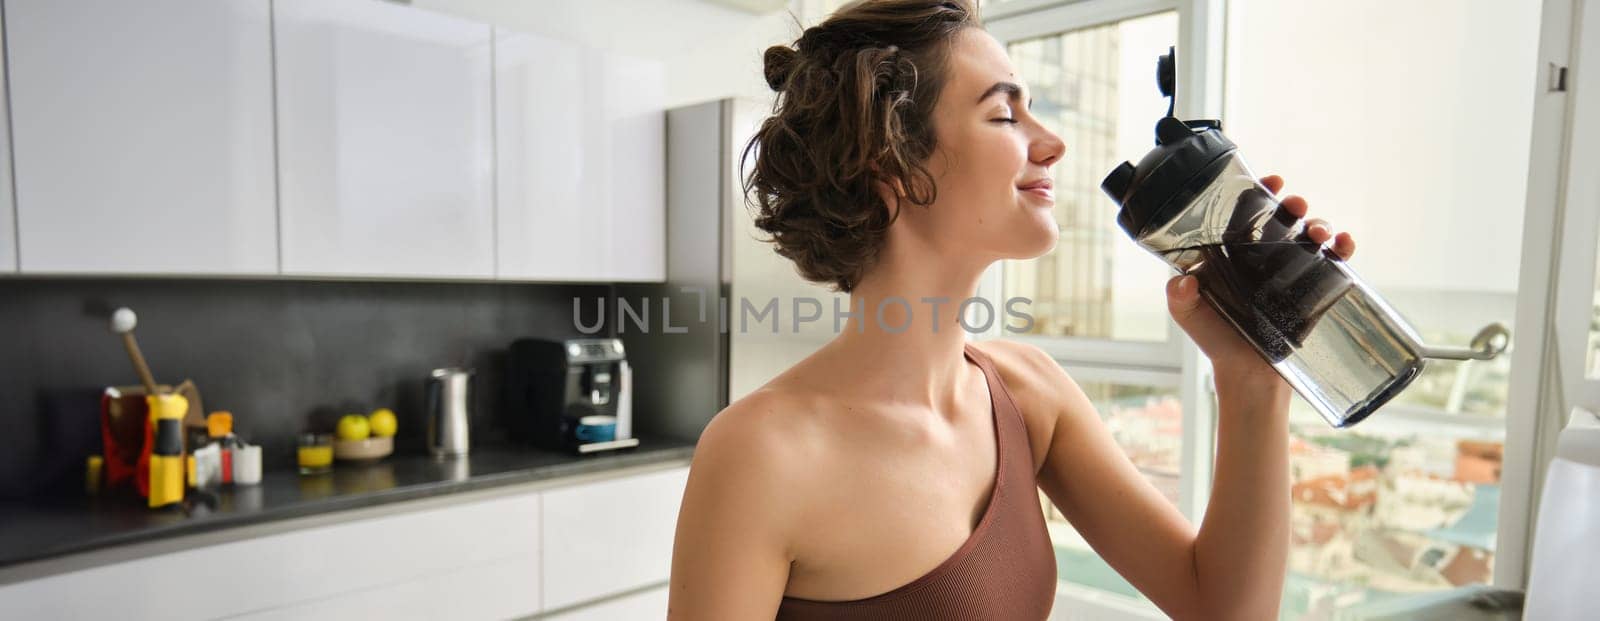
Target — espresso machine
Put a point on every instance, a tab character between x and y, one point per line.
571	395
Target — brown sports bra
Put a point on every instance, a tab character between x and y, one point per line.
1005	570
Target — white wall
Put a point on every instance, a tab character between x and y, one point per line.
711	50
1406	123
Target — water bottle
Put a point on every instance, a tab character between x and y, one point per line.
1195	203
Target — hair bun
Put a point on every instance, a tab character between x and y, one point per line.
778	62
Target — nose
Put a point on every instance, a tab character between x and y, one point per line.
1047	148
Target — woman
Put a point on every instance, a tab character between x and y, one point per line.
891	474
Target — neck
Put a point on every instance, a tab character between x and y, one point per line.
906	328
922	323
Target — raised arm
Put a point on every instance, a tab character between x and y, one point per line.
1233	566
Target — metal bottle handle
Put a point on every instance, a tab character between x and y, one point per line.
1489	343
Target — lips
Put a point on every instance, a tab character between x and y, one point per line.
1042	188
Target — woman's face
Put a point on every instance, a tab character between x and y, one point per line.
991	164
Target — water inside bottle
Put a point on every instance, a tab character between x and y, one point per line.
1312	319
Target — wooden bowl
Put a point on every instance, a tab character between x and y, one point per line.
370	449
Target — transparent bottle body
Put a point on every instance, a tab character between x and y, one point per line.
1332	337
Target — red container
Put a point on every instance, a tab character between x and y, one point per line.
125	433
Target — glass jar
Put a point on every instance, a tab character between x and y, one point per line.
315	453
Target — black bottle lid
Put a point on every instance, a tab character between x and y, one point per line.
1185	159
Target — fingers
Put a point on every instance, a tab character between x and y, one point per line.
1183	297
1345	246
1296	206
1317	230
1208	329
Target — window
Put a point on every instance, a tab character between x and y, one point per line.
1328	96
1408	501
1095	88
1593	354
1328	117
1392	507
1098	299
1146	419
1474	387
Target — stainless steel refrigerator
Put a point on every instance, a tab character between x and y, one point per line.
702	348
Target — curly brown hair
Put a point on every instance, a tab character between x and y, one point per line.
854	106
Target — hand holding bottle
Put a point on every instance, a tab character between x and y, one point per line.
1231	355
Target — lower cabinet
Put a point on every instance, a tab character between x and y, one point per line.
343	566
647	605
595	550
494	590
610	537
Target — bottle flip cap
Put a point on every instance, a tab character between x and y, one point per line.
1187	155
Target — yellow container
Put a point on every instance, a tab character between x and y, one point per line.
91	474
166	456
315	453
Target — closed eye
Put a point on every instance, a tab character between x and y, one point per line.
1005	120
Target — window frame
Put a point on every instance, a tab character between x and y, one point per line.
1200	25
1556	281
1021	20
1552	304
1200	39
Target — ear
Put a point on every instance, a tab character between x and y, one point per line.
892	193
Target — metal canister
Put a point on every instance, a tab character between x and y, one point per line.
449	411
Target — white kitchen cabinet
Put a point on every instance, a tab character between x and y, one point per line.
477	559
592	550
581	161
385	141
647	605
497	590
610	537
142	136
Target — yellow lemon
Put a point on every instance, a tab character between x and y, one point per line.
353	427
383	422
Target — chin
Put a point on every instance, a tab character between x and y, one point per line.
1035	238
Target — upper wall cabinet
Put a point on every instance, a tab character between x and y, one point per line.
385	141
581	156
142	135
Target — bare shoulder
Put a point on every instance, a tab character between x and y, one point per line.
753	455
1021	365
764	429
758	433
1043	391
1030	374
741	510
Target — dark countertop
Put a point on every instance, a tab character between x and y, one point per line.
40	530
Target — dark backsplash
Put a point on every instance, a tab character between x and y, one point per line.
283	356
